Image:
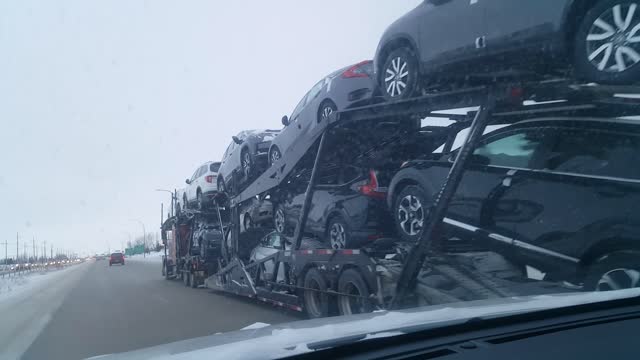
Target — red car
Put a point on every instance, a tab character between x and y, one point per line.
116	258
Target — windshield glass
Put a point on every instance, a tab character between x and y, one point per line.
475	155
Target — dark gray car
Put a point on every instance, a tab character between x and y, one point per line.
247	155
346	88
462	39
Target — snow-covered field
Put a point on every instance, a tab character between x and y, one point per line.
151	257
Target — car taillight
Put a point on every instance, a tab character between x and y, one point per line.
210	178
357	71
371	188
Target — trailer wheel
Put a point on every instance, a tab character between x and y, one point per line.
315	303
356	294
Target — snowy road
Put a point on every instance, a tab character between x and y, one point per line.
97	310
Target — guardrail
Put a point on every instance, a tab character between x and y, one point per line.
22	269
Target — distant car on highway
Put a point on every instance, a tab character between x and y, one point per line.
246	155
343	89
202	186
116	258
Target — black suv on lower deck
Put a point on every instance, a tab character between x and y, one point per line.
560	195
348	207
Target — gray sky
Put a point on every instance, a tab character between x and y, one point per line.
101	102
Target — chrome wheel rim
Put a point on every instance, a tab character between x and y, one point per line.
613	42
314	298
619	279
280	221
246	163
352	304
411	215
326	112
275	156
338	236
396	77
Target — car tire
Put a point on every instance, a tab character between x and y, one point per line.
221	185
247	222
274	155
200	201
618	270
400	68
325	110
410	213
316	303
280	220
356	298
598	69
246	162
338	233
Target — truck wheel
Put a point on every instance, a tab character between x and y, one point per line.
616	271
315	303
356	294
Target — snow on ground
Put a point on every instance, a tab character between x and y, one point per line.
151	257
15	285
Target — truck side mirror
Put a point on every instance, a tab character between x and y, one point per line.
236	140
285	120
188	182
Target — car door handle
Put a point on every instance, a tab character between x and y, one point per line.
508	180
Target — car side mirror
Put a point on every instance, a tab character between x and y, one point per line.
188	182
437	2
285	120
480	160
236	140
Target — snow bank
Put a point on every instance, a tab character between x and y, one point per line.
11	287
151	257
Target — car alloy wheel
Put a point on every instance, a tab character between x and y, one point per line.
613	42
411	215
274	155
200	201
279	221
326	109
619	279
338	236
396	77
246	163
247	222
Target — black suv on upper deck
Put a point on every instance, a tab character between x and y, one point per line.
560	195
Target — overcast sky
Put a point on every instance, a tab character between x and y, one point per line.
101	102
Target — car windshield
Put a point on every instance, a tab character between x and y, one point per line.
447	164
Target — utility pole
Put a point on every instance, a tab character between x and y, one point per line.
35	256
6	258
17	247
51	251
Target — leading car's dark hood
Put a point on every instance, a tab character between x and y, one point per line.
261	341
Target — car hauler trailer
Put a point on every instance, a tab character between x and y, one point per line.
387	273
193	241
